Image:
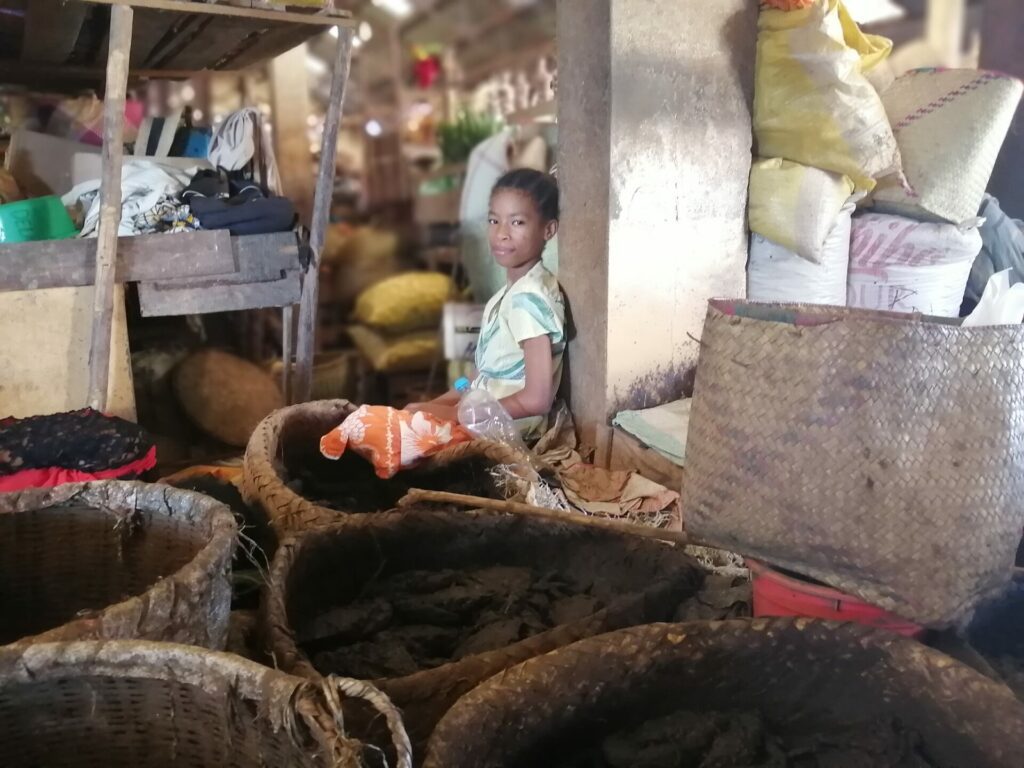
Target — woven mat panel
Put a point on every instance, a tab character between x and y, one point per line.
129	704
801	675
331	566
115	560
881	454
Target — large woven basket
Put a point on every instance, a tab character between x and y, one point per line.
330	566
130	704
289	439
882	454
112	560
803	676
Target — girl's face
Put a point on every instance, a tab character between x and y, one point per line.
516	229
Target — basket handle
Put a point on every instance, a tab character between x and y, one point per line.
335	688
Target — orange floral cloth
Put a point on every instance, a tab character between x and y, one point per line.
392	440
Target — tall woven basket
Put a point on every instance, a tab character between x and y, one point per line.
882	454
128	704
290	439
805	678
115	560
332	566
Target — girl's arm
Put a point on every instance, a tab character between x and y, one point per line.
449	400
536	397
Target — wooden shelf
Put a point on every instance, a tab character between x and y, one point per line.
65	42
178	273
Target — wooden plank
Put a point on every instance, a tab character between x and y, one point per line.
164	300
51	30
257	259
289	94
72	263
335	19
306	345
269	44
217	43
630	454
110	203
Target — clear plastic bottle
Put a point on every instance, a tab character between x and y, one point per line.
482	414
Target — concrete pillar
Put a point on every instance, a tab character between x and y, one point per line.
1002	40
654	154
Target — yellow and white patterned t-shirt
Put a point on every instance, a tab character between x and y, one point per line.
532	306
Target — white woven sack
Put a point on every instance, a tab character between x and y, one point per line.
902	265
775	273
795	206
950	125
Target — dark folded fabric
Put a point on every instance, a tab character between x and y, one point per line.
247	213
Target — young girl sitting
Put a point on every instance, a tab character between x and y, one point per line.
522	338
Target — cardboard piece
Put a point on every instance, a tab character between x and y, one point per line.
461	327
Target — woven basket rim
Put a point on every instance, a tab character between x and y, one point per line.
222	540
283	699
259	462
277	628
659	640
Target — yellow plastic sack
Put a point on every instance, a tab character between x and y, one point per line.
795	206
412	301
812	102
357	259
401	354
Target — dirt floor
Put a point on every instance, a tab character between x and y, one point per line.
688	739
418	620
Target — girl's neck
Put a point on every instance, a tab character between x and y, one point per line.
513	274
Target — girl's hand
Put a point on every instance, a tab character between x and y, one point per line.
440	411
436	409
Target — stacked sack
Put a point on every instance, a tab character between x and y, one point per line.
397	321
915	250
825	141
921	154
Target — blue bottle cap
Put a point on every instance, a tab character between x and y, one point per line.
461	384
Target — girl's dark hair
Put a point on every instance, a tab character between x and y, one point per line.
540	187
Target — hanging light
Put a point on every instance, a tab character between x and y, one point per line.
374	128
399	8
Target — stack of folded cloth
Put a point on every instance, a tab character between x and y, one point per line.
232	201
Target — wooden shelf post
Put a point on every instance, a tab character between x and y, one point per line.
305	347
110	202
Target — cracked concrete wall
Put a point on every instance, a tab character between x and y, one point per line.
654	155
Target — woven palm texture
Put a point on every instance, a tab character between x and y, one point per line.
645	581
803	676
950	125
881	454
290	438
115	559
125	704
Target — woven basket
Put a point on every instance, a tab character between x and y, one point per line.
115	560
290	438
335	374
803	676
125	704
225	395
878	453
950	125
329	567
